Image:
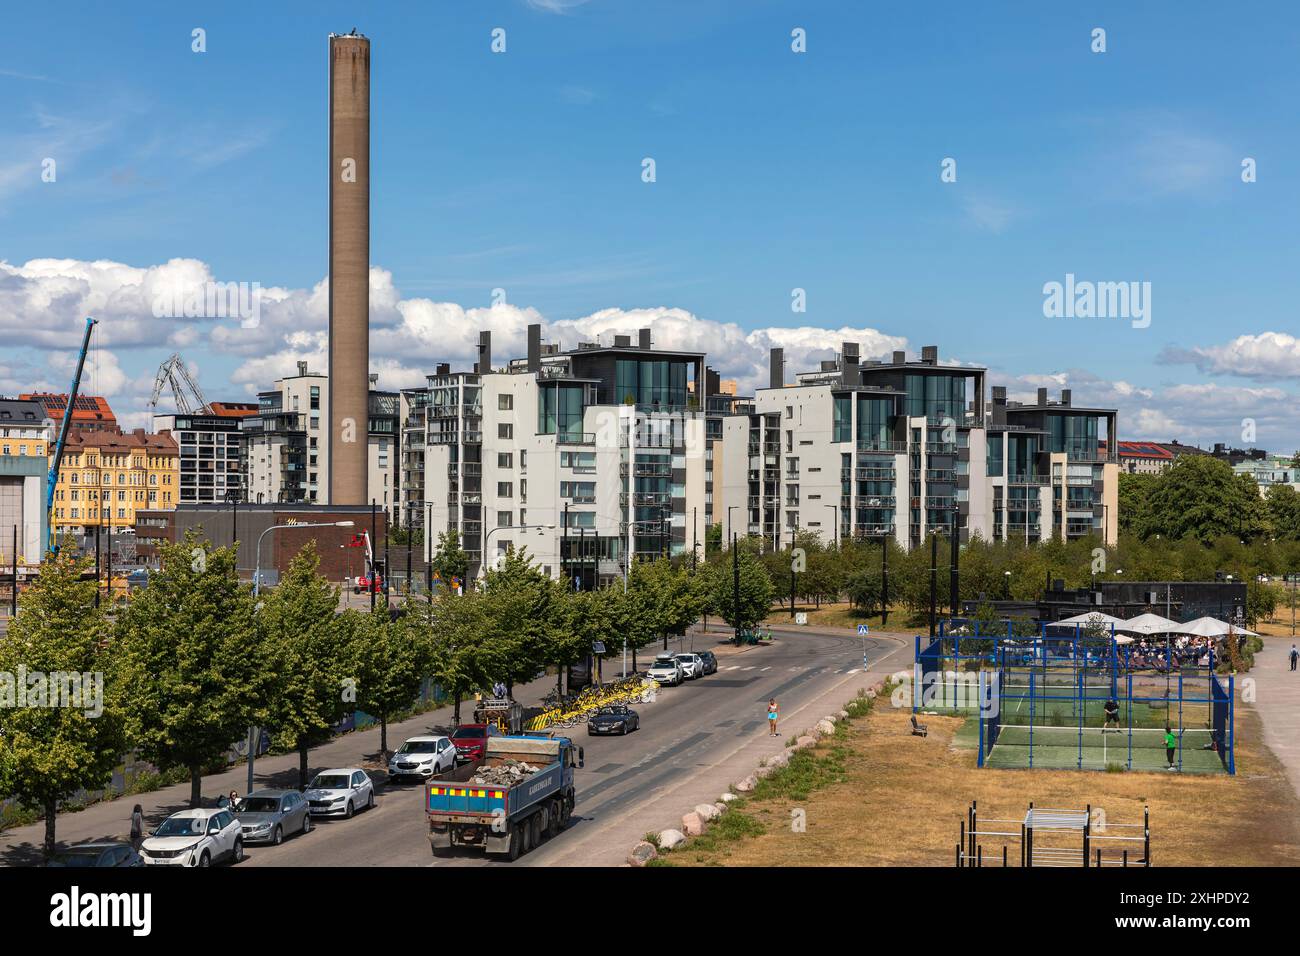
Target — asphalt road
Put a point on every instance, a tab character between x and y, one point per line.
686	731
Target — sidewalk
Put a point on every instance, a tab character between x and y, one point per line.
1277	701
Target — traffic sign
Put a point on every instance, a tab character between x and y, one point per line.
864	630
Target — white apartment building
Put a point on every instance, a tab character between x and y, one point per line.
286	454
583	457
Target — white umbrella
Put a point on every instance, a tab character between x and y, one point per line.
1092	617
1205	627
1146	624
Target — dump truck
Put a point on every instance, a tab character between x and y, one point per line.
510	818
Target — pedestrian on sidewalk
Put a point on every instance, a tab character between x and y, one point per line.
773	712
137	827
1295	655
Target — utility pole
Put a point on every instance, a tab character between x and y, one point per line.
953	559
370	576
792	530
934	578
884	580
410	543
97	575
428	561
566	566
13	598
695	536
735	586
386	576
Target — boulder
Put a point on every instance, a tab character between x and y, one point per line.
825	727
707	811
777	760
871	694
670	839
720	807
804	742
844	715
642	853
692	823
727	797
747	785
831	717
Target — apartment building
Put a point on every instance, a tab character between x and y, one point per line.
286	454
905	448
1271	471
25	437
106	478
211	448
583	456
1144	458
90	413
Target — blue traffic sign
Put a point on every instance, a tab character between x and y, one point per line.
864	630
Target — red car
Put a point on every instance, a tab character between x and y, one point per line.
471	741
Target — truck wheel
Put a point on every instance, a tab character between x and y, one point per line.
525	835
512	853
536	829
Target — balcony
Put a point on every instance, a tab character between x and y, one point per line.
873	530
1034	480
573	438
881	446
872	474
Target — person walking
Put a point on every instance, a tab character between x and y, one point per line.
137	826
1295	655
773	713
1171	745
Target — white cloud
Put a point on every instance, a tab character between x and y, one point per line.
1268	355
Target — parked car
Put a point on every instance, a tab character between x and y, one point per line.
471	740
710	661
613	719
368	582
98	855
266	816
195	838
692	665
666	670
422	757
340	793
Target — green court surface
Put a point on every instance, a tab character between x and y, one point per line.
1065	748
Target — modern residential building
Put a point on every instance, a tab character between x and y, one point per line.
25	435
106	478
211	445
904	448
1270	472
286	457
90	413
583	456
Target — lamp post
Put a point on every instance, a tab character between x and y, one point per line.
735	575
835	528
257	590
1006	584
487	540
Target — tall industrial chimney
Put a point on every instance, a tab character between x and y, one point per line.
349	276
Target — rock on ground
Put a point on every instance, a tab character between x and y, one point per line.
804	742
692	823
825	728
642	853
728	797
747	785
707	811
669	839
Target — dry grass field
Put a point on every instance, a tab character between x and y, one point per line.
886	798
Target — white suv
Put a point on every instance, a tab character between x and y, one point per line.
666	670
692	665
422	757
342	792
194	838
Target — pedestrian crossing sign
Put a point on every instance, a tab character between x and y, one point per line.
864	630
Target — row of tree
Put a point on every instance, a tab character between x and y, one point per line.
196	658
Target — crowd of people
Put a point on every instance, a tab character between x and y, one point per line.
1180	650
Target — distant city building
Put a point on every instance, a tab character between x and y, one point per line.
286	456
89	412
106	478
1270	471
25	432
1144	458
211	448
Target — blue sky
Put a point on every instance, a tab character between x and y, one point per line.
775	171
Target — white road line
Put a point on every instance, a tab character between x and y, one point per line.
750	668
734	667
767	668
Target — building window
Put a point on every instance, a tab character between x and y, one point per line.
505	489
505	519
505	403
505	430
505	459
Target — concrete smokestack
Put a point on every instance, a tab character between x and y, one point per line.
349	276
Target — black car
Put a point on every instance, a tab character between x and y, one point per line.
98	854
710	661
614	719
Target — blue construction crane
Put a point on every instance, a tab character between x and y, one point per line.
57	457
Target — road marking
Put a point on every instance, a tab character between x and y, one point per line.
749	668
767	668
734	667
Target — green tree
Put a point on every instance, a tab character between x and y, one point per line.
57	745
712	539
449	559
306	651
387	662
524	620
755	593
194	675
1135	502
457	659
1283	503
1201	497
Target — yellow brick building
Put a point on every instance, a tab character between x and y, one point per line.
105	478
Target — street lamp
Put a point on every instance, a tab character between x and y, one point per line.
1006	581
835	528
257	582
487	540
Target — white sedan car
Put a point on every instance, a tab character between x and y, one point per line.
692	665
422	757
194	838
340	793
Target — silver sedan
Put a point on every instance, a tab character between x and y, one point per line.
268	816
